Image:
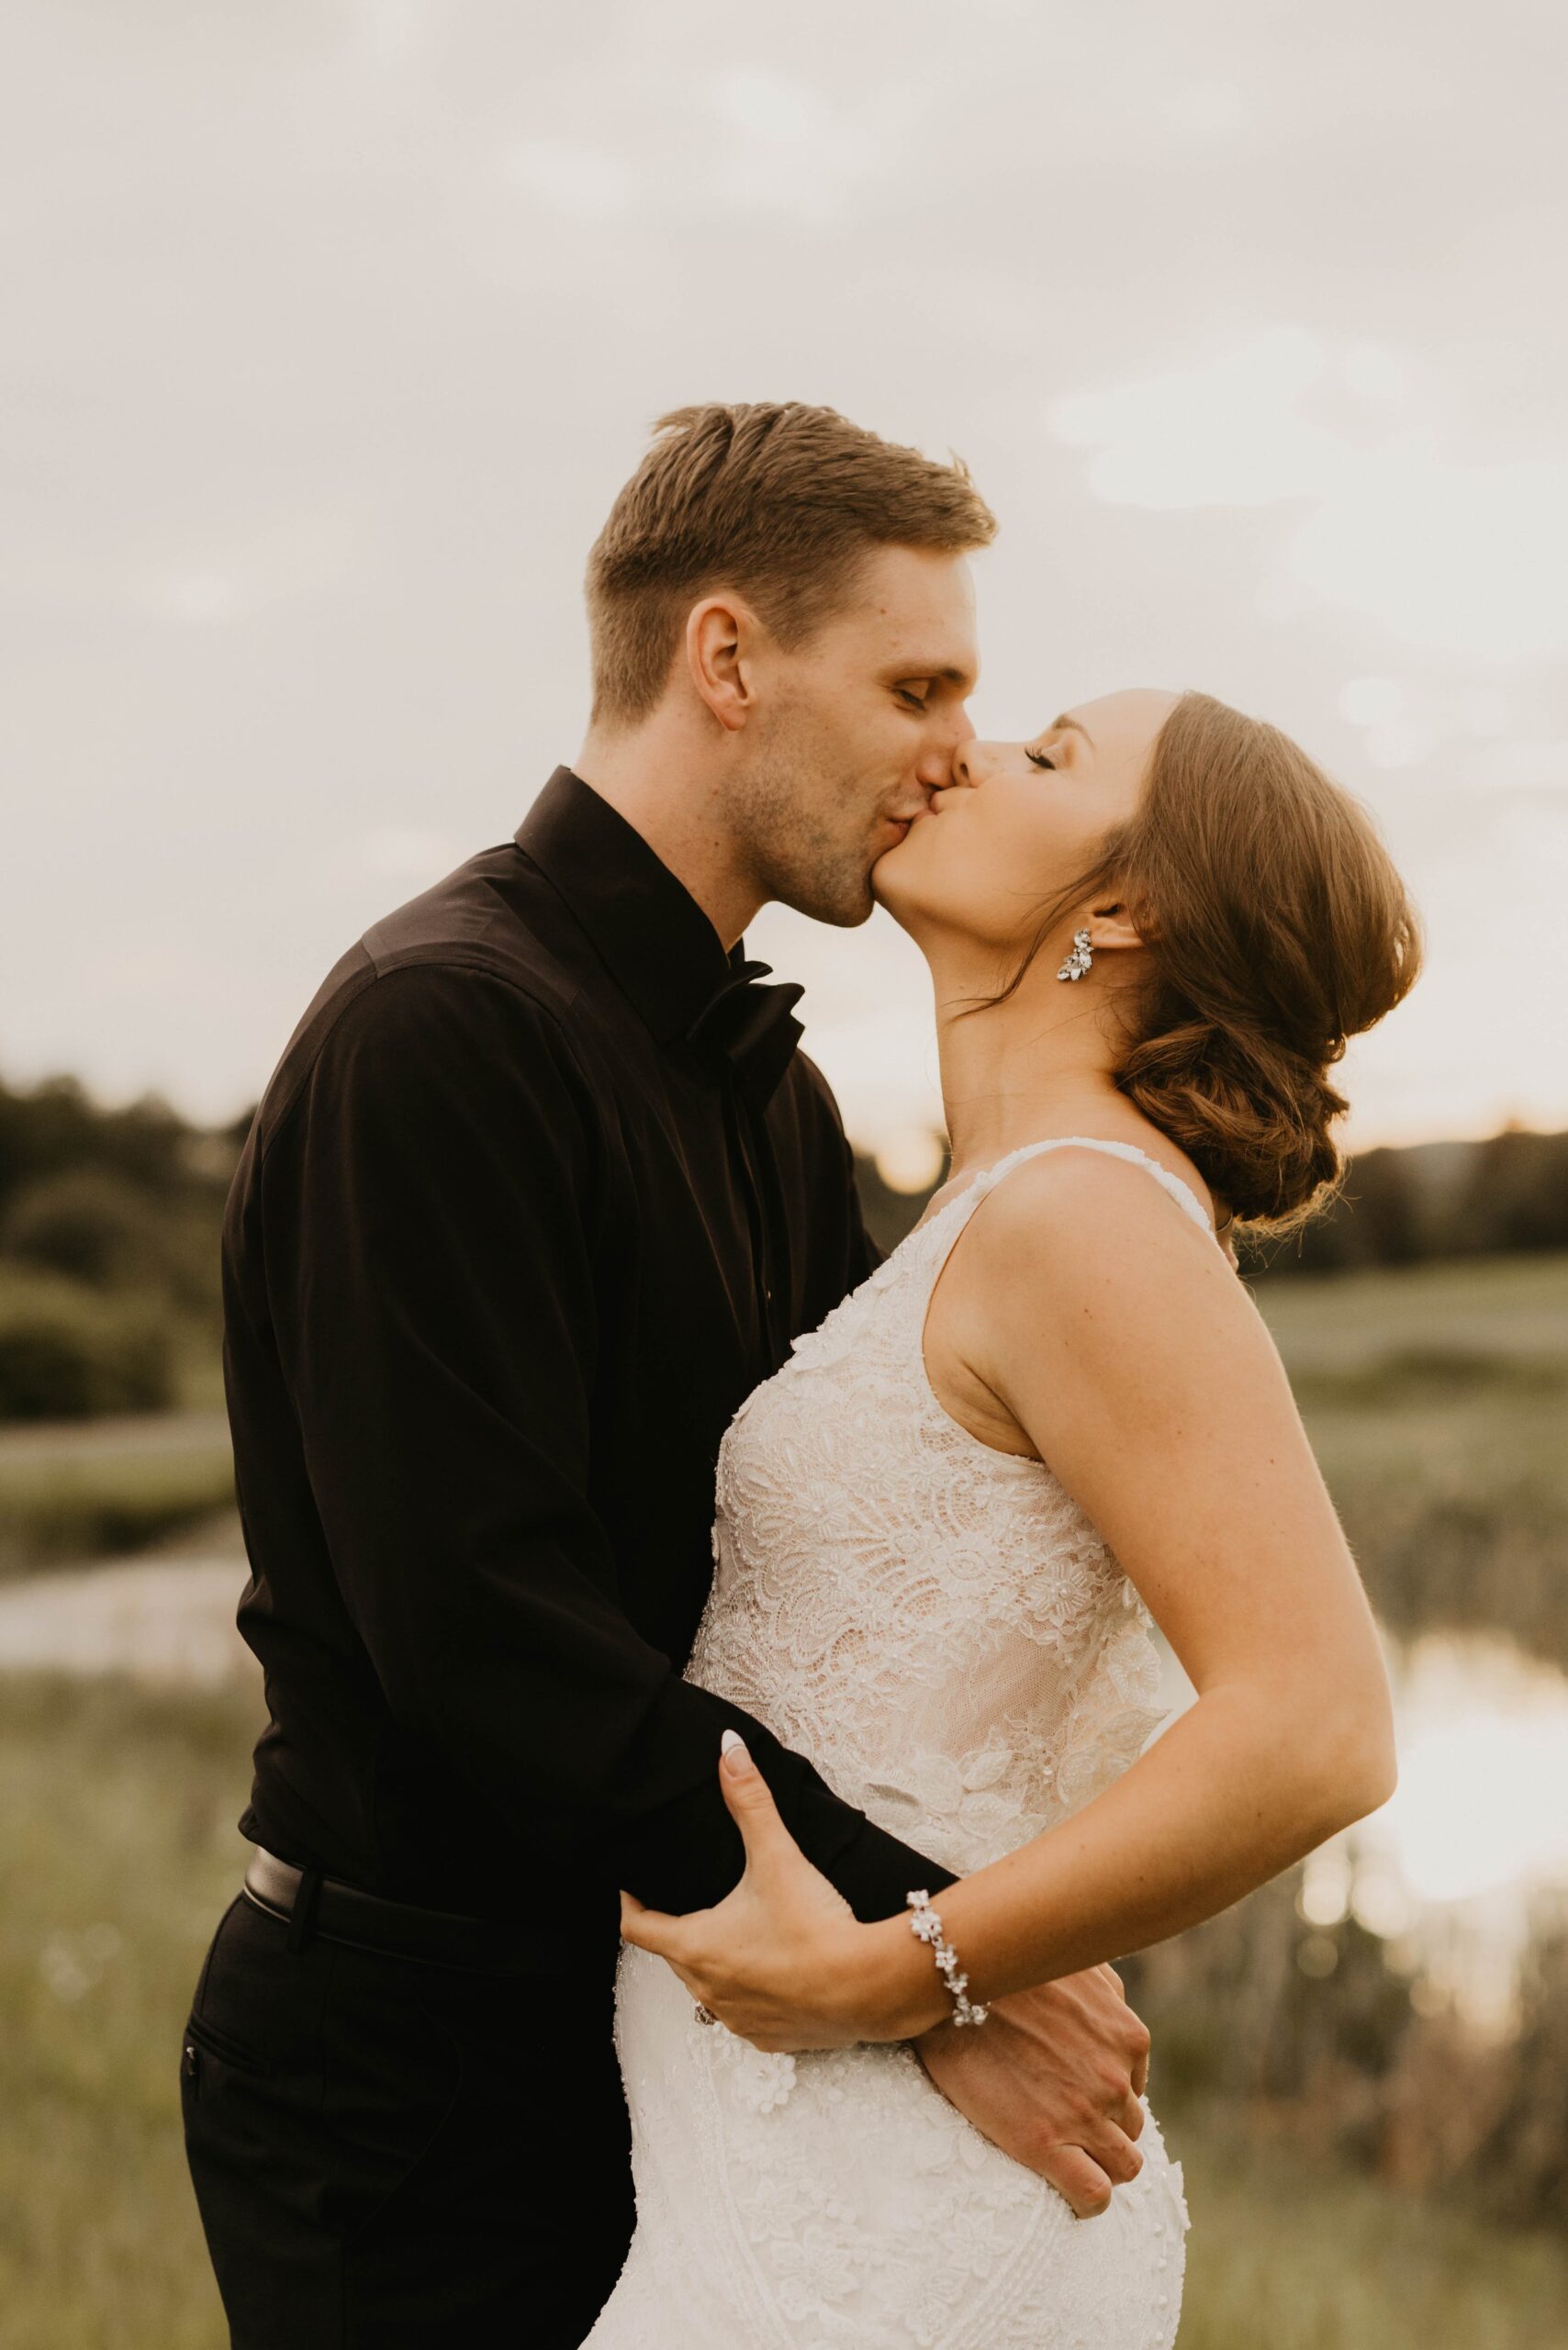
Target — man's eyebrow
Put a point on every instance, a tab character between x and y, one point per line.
943	673
1065	720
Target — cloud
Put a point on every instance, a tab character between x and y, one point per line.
586	182
1228	433
784	149
412	853
1521	767
292	557
1464	560
1455	557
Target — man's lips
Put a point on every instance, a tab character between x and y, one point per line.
901	827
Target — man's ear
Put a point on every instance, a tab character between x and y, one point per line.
720	633
1113	926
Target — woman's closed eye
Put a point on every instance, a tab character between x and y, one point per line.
1040	759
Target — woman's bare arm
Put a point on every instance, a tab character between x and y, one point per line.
1116	1338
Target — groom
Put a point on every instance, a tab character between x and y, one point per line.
539	1192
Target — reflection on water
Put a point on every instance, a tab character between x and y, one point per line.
1473	1847
1475	1838
1447	1875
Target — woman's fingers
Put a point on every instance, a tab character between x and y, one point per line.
751	1804
650	1928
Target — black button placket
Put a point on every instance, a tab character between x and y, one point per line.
773	1270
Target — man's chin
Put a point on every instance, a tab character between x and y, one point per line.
840	909
853	917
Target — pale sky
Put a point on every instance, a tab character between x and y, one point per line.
334	325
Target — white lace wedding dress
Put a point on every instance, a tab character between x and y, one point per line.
940	1629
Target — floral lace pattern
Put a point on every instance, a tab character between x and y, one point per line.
942	1631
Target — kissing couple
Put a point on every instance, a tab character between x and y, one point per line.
712	1759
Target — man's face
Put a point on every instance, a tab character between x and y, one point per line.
854	730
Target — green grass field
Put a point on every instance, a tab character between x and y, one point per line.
118	1853
1436	1397
95	1488
1496	1309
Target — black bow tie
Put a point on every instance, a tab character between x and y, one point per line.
753	1028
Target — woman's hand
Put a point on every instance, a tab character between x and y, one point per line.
781	1960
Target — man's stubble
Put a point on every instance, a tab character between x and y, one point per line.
803	824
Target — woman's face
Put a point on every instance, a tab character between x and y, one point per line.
1019	820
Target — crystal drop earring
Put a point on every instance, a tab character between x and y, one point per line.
1081	959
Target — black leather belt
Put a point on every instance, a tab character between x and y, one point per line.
321	1905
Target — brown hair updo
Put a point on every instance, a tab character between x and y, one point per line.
1277	928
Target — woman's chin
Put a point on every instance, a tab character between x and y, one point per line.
886	882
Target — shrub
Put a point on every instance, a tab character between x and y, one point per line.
67	1352
89	1224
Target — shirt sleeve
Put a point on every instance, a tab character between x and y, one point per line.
428	1205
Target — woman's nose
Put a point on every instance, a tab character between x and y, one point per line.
964	769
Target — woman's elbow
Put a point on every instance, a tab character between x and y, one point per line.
1359	1768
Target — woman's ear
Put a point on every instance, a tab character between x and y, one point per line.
1113	926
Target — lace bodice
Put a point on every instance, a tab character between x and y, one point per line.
935	1623
939	1629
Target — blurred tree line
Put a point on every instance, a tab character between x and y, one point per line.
1396	1207
109	1222
109	1254
1445	1199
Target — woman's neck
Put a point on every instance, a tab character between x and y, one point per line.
1039	1065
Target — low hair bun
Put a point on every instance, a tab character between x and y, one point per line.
1253	1115
1278	929
1275	927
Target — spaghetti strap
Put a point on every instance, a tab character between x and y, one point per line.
1181	1191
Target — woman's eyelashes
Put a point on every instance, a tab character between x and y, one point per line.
1040	759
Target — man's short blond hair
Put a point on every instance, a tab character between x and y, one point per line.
777	501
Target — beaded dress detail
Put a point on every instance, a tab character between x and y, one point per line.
940	1629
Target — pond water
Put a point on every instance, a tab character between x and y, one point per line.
1470	1853
1449	1875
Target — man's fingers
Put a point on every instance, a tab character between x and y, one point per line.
1139	2051
1114	2152
1117	2155
1079	2177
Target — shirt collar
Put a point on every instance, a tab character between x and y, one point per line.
646	926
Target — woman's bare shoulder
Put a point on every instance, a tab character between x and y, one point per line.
1075	1233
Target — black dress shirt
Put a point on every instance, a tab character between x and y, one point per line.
538	1195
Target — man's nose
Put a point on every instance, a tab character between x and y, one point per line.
964	767
936	766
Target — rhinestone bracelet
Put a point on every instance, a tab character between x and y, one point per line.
926	1927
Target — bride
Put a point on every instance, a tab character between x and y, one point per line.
945	1528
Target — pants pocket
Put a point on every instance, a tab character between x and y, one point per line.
390	2123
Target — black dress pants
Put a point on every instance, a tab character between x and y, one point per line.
388	2155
